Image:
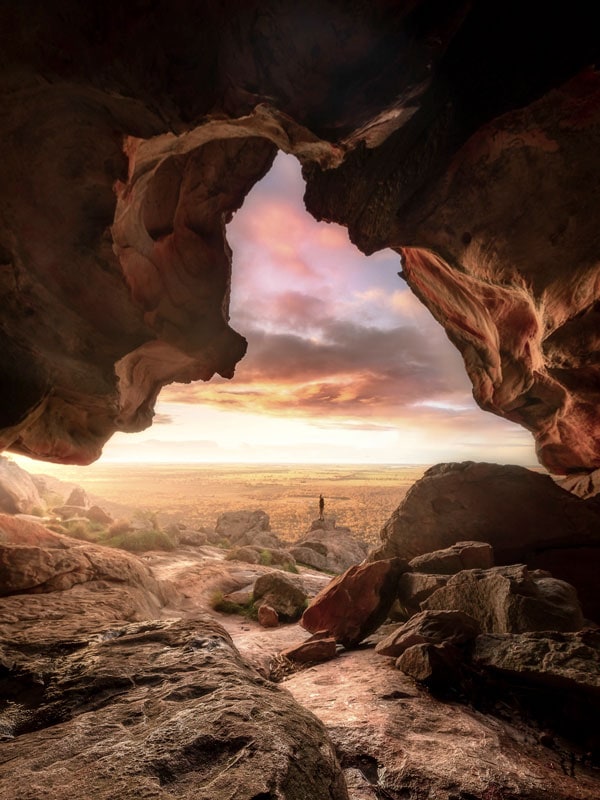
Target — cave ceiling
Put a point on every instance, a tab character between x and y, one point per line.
463	135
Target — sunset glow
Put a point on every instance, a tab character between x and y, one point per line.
344	364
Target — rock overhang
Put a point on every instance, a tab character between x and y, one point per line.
463	136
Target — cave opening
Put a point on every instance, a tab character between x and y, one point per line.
344	364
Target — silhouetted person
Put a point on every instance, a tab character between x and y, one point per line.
321	506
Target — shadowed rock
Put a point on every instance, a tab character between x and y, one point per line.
18	492
523	515
510	600
156	709
284	593
430	627
356	603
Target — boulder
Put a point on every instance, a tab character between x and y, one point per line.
235	525
190	538
97	514
570	661
275	556
314	650
18	492
340	548
437	666
35	560
414	588
242	597
462	555
248	554
283	592
356	603
309	557
509	600
267	616
78	497
522	514
430	627
156	709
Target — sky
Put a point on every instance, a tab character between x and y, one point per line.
344	364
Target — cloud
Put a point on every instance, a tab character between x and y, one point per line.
342	368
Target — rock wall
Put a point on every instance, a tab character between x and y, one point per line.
462	134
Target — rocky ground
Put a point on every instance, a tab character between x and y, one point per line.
434	677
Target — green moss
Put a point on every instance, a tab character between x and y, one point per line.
219	603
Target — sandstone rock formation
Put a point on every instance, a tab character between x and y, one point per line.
333	549
18	492
155	709
35	560
284	593
430	627
356	603
510	600
437	130
524	515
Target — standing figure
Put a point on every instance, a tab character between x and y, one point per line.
321	506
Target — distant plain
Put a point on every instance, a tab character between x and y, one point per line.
361	497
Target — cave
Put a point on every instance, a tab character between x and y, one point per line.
461	136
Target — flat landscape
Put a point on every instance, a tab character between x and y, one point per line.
361	497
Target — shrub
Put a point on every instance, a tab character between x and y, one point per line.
289	567
219	603
140	541
37	511
265	558
79	529
119	526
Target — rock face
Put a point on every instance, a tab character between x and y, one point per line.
332	549
510	600
355	604
284	593
451	141
151	710
522	514
430	627
35	560
462	555
18	492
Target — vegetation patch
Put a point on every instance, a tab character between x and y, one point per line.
220	603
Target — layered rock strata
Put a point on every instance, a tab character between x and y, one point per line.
435	129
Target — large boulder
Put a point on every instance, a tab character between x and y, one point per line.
18	492
233	525
154	710
510	600
339	548
462	555
413	589
284	593
430	627
522	514
552	659
356	603
35	560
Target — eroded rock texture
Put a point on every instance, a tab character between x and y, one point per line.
464	135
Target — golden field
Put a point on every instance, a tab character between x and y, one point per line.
360	497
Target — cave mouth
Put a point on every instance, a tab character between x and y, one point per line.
343	363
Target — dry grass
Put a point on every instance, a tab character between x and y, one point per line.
361	497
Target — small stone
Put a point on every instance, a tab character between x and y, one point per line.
430	627
435	665
323	649
267	616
